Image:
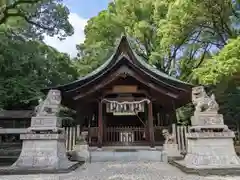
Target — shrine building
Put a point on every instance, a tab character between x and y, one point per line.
125	101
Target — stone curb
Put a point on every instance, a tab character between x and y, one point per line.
22	171
205	172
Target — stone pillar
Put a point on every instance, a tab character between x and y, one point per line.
100	124
150	125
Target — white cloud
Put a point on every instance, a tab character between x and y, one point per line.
69	44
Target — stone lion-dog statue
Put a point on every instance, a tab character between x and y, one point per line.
169	138
51	105
202	102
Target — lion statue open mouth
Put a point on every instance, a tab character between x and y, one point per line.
202	102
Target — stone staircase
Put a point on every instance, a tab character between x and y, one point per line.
129	154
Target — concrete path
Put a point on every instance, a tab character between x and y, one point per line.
121	171
140	155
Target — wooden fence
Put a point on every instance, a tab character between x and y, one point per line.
124	135
178	131
73	132
180	134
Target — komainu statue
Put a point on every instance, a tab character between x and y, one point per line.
169	138
51	105
202	102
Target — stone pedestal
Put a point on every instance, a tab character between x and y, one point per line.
43	152
171	150
211	150
210	144
43	149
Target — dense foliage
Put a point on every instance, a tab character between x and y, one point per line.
27	64
194	40
177	36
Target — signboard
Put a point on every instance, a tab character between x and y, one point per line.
124	89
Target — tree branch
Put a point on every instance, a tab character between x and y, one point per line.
202	58
6	13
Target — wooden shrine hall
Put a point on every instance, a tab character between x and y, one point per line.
125	101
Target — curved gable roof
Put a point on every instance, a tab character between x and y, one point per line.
124	47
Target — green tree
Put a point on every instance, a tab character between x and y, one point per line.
186	39
176	36
27	64
222	66
208	25
101	33
27	67
36	17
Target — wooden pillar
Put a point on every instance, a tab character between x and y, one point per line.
100	124
150	125
104	128
174	117
146	123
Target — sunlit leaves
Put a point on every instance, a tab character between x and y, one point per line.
223	65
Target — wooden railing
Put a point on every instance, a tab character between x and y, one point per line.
124	135
180	135
113	135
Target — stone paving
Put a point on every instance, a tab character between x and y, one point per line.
121	171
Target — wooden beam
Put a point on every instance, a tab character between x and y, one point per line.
126	99
139	91
124	70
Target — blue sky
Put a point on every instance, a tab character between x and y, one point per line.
86	8
80	12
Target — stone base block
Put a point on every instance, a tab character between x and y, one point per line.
206	119
227	171
171	150
45	121
43	155
205	153
26	171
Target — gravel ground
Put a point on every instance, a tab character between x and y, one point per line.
121	171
